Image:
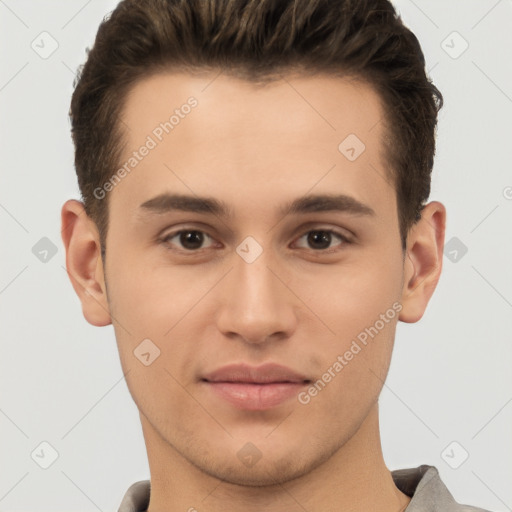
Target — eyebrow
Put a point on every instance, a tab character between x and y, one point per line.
165	203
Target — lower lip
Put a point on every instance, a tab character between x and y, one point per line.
255	397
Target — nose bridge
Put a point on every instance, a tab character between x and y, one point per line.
256	303
256	283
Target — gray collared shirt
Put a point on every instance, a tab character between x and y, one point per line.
423	484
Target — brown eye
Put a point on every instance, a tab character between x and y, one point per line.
321	239
189	239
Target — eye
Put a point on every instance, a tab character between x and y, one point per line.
320	239
190	239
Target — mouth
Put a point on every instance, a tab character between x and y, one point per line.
253	396
255	388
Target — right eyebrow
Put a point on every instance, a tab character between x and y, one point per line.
165	203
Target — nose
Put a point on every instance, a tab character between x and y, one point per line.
257	306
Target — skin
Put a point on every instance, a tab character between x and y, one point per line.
256	148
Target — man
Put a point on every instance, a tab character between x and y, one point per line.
254	177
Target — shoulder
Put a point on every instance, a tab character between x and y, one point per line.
136	498
428	492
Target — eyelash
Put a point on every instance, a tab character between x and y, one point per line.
165	240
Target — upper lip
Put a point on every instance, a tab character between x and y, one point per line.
264	374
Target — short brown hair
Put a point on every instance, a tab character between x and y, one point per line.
257	40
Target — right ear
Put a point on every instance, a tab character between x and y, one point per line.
83	262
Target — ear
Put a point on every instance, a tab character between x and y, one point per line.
83	262
423	261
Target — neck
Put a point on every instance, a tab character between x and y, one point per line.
354	478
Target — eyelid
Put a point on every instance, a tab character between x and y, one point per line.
345	240
344	235
164	239
322	226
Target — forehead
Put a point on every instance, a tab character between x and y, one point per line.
300	104
214	134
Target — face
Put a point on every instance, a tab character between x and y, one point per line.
265	272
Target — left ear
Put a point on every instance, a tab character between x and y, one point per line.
423	261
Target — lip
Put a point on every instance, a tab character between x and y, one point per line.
264	374
255	388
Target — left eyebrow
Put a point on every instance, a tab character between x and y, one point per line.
165	203
325	203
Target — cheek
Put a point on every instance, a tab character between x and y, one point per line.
351	296
150	297
353	367
356	310
157	310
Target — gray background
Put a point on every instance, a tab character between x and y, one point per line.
60	378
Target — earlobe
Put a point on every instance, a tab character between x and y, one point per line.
423	262
83	262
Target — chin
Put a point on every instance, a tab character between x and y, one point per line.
265	472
